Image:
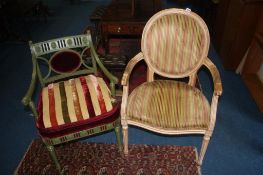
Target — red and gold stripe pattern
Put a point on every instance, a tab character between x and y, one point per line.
175	43
75	100
169	104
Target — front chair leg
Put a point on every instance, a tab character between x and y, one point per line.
53	156
118	136
125	139
206	140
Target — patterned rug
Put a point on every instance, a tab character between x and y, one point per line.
82	158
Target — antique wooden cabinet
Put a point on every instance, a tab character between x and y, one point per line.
252	72
126	19
234	29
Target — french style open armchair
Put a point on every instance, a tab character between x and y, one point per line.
175	45
74	101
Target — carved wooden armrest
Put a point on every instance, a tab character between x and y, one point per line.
113	80
27	99
217	92
125	83
216	76
129	68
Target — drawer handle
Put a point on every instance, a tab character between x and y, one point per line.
119	29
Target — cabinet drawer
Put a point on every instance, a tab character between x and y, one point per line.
127	29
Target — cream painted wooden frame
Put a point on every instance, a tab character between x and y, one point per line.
192	74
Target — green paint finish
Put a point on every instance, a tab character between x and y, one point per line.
38	49
117	130
41	56
85	133
69	42
53	45
53	156
85	40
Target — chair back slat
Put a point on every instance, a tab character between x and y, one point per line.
46	47
61	43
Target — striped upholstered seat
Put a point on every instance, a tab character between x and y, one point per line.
169	104
74	102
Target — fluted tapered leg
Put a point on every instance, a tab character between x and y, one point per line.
125	139
206	140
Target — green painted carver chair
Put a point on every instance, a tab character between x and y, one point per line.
175	45
74	101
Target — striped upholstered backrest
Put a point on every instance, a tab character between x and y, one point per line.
175	42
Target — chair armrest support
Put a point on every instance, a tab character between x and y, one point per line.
27	98
217	92
125	83
129	68
113	80
216	77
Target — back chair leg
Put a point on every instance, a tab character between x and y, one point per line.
53	156
117	130
125	139
206	140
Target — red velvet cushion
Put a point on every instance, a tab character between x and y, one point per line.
77	126
74	105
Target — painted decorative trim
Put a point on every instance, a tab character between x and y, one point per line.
81	134
58	44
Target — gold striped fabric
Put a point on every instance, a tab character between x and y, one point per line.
175	43
169	104
74	100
